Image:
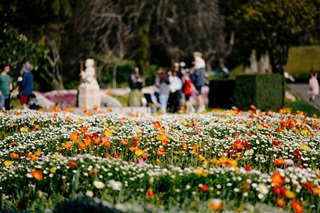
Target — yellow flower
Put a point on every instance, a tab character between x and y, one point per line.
105	124
52	170
249	122
304	147
193	152
200	171
304	132
24	129
7	163
260	127
79	121
107	133
138	152
290	194
201	158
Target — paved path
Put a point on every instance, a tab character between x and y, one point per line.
302	90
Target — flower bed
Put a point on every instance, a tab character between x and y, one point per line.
217	161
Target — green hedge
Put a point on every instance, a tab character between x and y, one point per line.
265	91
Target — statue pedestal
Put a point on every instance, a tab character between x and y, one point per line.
89	97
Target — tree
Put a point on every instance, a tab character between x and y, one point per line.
111	27
269	25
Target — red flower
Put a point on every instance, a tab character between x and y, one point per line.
204	188
247	168
72	164
276	142
308	186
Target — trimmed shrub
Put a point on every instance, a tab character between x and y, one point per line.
265	91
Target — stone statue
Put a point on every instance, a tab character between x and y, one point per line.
89	90
88	75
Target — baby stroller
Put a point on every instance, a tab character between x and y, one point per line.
33	102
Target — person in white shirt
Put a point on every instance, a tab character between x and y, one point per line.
198	77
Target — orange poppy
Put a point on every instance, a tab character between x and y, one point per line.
67	145
162	137
124	142
161	151
145	155
88	140
75	136
133	149
279	162
277	179
280	202
14	155
82	145
37	174
215	204
150	193
316	191
184	145
116	155
156	124
105	142
84	129
37	153
36	127
297	206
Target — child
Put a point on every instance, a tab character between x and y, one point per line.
188	88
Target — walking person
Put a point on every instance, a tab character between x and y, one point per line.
199	78
313	85
175	87
163	84
136	84
5	88
27	85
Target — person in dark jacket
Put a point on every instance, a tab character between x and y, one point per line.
27	85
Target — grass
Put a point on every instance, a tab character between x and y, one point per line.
302	106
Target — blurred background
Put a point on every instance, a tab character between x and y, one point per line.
56	36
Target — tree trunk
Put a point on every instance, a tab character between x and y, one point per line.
279	58
114	76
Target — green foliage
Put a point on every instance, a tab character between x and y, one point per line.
265	91
301	60
269	25
18	48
